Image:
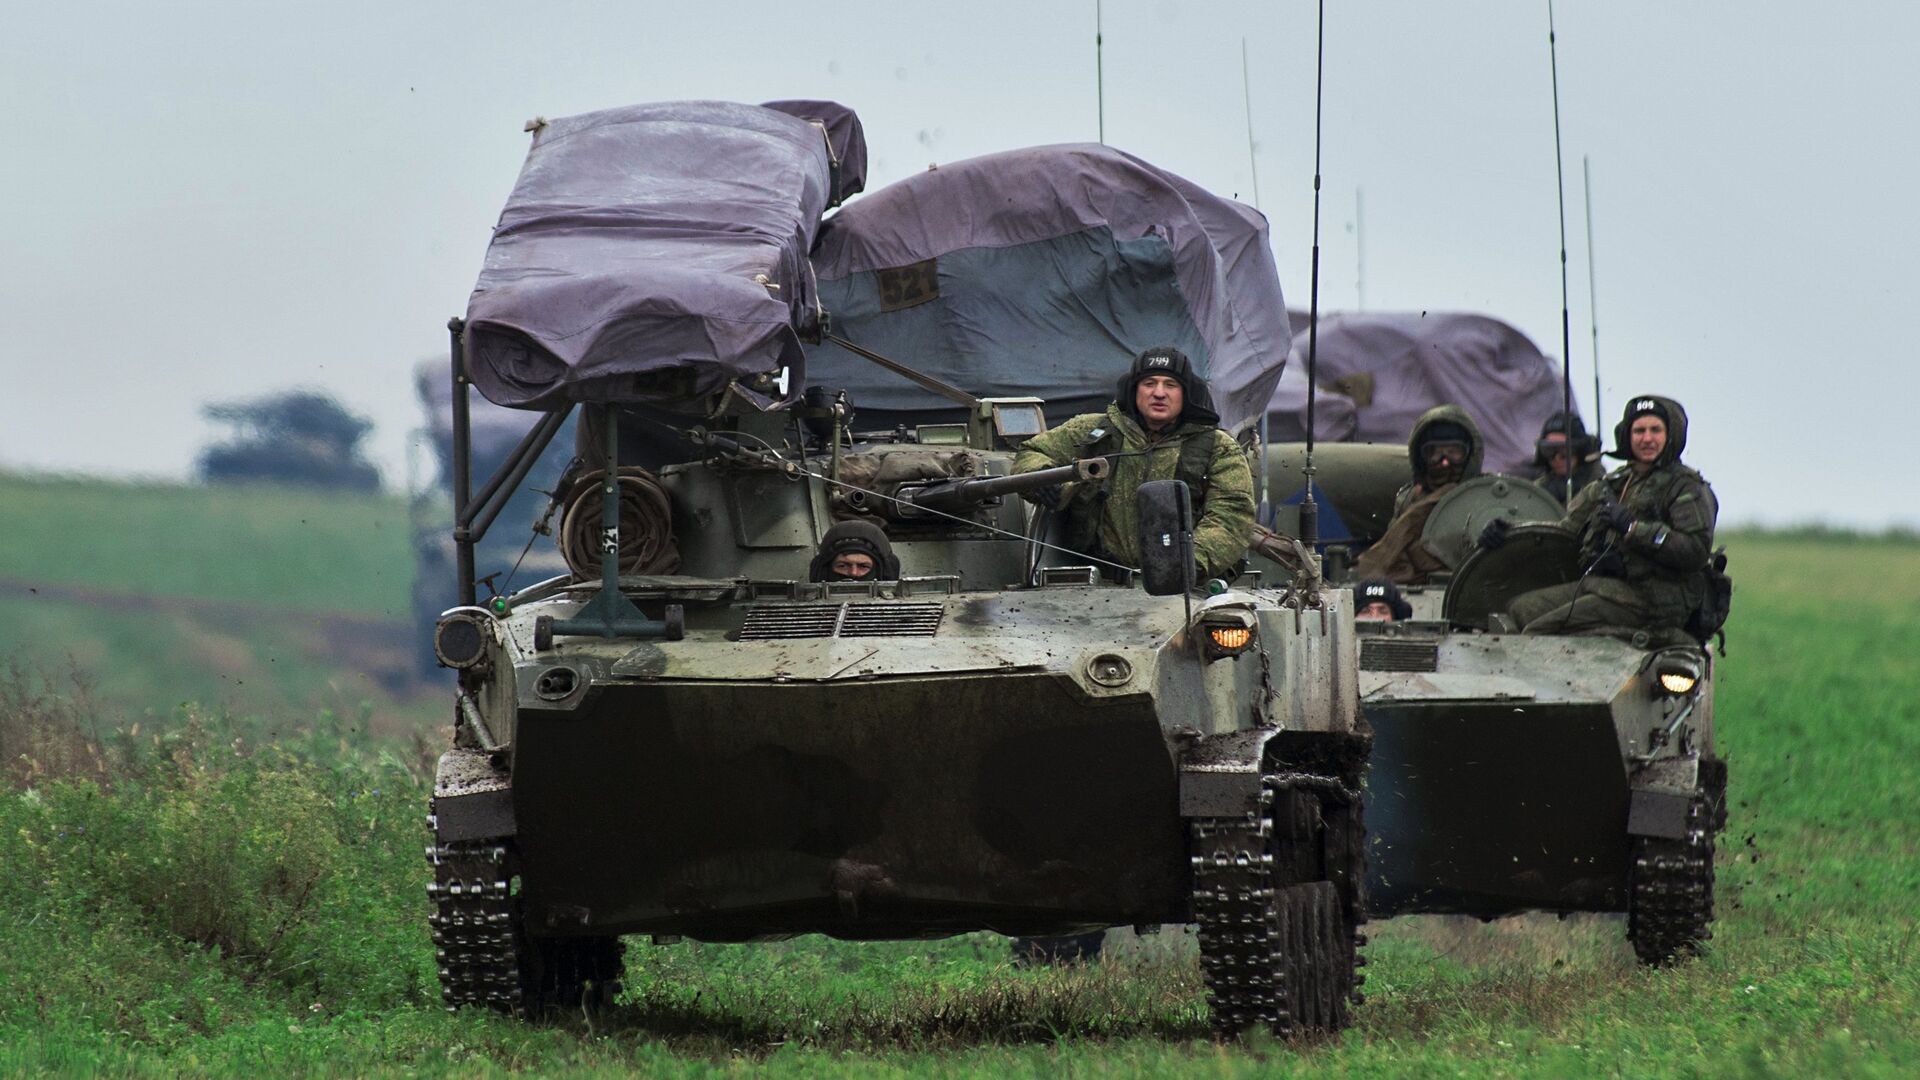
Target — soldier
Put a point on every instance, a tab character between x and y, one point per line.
1379	600
1445	448
1551	457
1161	426
1646	533
854	551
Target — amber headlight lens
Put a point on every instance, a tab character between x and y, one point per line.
1231	638
1677	682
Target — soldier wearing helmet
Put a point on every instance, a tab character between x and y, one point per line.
1565	447
1646	533
1444	448
1379	600
1161	426
854	551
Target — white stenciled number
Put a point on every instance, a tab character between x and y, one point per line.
610	541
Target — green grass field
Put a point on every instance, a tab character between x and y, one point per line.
266	599
193	890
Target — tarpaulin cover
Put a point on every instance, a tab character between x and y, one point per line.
1378	371
1042	272
845	137
653	253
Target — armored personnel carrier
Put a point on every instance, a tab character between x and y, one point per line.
683	737
1523	772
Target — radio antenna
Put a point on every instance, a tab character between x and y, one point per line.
1310	510
1566	324
1099	73
1359	250
1593	304
1264	512
1246	93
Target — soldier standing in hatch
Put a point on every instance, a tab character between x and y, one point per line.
1445	448
1646	532
1552	456
1161	426
854	551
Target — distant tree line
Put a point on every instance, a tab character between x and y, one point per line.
292	437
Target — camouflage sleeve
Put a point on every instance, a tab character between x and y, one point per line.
1223	532
1685	539
1057	447
1580	509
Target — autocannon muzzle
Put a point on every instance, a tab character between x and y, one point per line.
961	496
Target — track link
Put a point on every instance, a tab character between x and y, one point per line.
1670	907
484	954
1281	955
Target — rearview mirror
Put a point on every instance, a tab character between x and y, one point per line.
1166	537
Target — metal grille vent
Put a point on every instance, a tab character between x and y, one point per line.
891	620
1398	654
771	622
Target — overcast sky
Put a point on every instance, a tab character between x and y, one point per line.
213	200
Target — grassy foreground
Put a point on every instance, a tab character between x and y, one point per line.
184	893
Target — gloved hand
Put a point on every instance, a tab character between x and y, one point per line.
1048	497
1610	564
1617	517
1494	536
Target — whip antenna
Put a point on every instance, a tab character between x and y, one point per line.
1359	250
1264	513
1246	94
1099	74
1593	304
1566	324
1310	510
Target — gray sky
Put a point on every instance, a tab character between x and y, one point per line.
211	200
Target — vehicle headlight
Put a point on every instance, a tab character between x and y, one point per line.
460	637
1230	638
1226	633
1676	682
1677	672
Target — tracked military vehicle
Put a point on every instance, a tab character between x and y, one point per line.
684	738
1517	772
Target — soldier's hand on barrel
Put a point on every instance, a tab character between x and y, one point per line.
1048	496
1617	517
1494	536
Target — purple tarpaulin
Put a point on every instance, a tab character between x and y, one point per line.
1042	272
657	253
1378	371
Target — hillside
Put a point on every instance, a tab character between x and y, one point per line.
252	597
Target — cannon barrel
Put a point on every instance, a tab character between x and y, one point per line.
958	496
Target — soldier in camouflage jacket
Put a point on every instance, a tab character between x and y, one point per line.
1161	426
1646	534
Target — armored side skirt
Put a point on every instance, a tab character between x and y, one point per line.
1493	808
908	807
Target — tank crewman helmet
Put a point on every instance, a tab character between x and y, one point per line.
855	538
1381	591
1197	401
1670	414
1579	445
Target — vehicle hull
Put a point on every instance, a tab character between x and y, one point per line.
734	811
1490	808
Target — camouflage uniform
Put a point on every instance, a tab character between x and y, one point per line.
1102	519
1659	576
1400	555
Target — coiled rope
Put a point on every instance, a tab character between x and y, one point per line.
646	525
